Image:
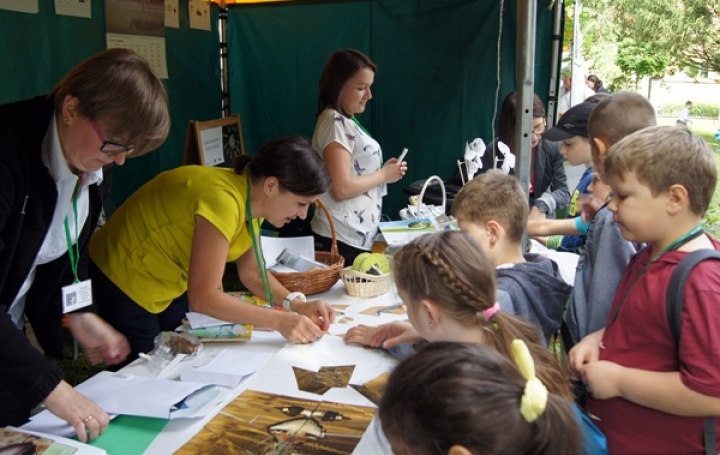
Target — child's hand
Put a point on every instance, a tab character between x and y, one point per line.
319	311
541	239
602	379
362	335
385	336
586	351
589	206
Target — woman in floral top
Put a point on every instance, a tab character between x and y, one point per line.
353	158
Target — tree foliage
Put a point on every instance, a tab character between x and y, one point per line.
647	34
641	60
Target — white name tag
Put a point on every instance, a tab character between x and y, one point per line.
76	296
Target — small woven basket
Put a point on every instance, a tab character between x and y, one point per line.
364	285
316	280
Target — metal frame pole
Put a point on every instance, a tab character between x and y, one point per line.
224	74
556	52
526	29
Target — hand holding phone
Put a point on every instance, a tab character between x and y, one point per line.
402	155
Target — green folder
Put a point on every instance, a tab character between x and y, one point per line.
129	435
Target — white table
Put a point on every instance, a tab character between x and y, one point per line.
277	376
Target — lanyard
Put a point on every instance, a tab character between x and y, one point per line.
687	237
74	250
257	247
357	122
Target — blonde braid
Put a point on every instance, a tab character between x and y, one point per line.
450	278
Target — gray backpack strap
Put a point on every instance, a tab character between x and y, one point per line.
674	302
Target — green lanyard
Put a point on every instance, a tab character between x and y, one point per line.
357	122
688	236
74	250
257	248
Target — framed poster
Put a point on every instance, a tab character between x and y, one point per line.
214	142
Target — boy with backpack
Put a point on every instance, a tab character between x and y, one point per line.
651	393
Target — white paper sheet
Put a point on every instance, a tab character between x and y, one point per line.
22	6
567	262
199	320
77	8
398	233
226	368
199	12
135	395
273	246
172	16
277	376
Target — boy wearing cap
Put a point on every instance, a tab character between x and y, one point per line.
572	130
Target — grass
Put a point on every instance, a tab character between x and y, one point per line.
706	129
711	220
76	371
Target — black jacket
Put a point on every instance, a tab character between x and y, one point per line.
548	174
28	195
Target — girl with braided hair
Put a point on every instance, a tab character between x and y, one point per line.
448	286
465	398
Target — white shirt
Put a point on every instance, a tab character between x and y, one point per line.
55	243
356	219
684	115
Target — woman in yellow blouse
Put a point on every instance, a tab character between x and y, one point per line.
165	249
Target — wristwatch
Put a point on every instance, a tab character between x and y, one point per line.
287	301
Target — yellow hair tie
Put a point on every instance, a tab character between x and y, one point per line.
535	395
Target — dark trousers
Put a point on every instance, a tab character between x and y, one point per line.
139	326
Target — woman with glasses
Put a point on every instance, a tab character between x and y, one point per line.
548	183
52	152
164	250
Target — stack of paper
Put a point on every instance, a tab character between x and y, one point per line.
226	368
139	396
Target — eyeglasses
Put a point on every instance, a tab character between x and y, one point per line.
108	147
540	129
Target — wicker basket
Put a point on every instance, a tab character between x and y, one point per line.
364	285
316	280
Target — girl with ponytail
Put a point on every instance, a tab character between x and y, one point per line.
466	398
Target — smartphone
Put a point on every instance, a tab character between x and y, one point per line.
402	155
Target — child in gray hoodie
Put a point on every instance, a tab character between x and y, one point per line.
493	210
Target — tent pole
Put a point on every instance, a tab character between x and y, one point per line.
556	49
524	76
224	77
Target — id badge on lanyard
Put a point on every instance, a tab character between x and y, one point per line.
79	294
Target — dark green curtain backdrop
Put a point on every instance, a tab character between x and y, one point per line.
36	50
434	90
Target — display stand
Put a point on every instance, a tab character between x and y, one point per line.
214	142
